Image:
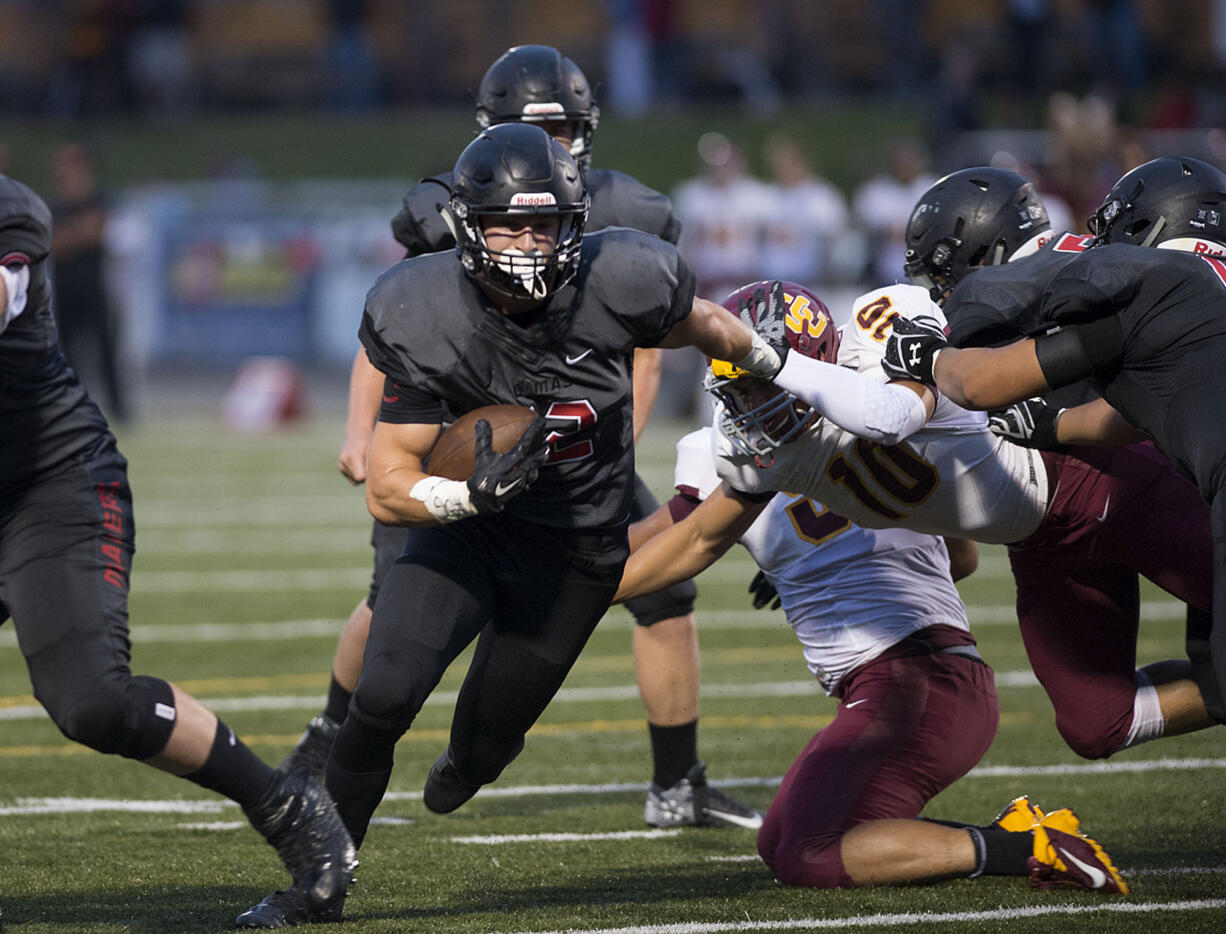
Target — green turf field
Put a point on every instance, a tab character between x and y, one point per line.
251	552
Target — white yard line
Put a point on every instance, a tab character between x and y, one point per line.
621	692
252	581
26	805
995	915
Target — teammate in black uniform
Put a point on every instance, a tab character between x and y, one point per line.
1148	327
980	241
66	544
532	314
537	84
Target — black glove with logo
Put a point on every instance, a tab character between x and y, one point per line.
498	478
764	592
1030	423
912	347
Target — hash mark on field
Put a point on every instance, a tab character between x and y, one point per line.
493	839
905	918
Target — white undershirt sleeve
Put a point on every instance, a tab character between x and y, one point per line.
857	403
16	286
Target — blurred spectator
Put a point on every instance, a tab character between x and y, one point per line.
160	60
1028	24
90	78
882	205
957	102
806	216
1082	142
351	68
722	213
88	332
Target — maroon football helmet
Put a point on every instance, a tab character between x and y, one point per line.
755	415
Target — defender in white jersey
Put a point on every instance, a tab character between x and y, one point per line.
883	629
1084	521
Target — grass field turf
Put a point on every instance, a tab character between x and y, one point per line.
251	552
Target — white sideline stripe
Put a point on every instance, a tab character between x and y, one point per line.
96	805
979	614
88	805
907	918
495	839
625	692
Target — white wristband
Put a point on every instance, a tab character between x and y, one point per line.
446	500
762	360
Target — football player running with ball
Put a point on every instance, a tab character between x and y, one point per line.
537	84
526	555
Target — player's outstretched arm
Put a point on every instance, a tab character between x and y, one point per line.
692	545
365	396
721	336
1096	422
990	377
883	412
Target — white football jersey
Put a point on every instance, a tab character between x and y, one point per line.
850	593
952	477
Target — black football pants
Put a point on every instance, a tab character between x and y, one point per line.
531	594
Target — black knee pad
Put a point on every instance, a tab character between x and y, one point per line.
383	699
131	717
671	602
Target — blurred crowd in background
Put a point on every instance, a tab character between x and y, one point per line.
71	58
1071	93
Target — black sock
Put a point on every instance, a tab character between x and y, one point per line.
233	770
1001	852
358	771
674	750
337	708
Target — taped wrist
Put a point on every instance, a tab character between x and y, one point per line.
446	500
762	360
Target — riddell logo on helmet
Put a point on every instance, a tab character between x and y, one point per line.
545	107
533	199
1194	245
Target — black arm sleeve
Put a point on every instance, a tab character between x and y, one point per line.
405	405
1091	349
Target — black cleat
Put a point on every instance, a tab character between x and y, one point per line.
445	790
300	821
313	747
287	908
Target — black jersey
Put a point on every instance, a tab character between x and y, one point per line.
1166	377
430	329
998	305
617	200
45	415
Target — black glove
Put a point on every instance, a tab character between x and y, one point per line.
912	345
764	312
763	592
498	478
1030	423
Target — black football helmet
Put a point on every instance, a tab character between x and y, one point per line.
515	169
1165	199
538	84
975	217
